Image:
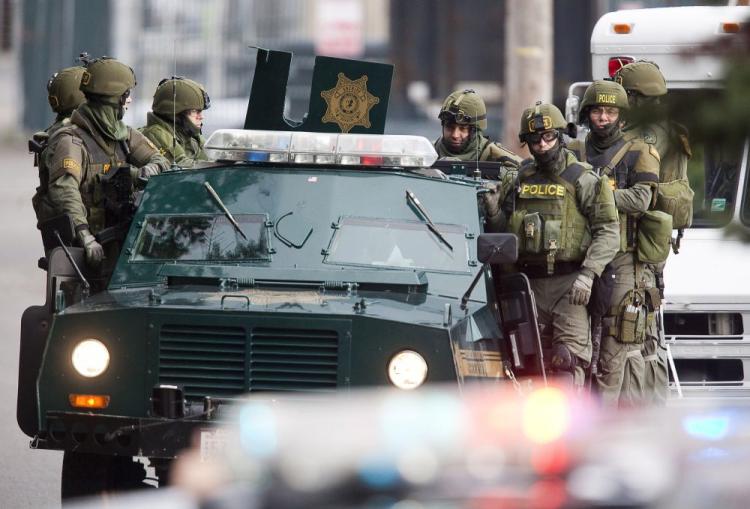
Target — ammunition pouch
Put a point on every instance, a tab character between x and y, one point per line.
676	199
654	239
630	319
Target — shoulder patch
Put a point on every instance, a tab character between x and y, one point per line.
71	164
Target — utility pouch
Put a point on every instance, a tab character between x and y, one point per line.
632	320
654	237
676	199
532	233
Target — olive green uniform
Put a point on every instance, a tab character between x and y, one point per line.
64	96
621	375
577	231
479	149
184	149
671	142
41	205
78	156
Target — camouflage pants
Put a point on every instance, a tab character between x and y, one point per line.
655	356
568	323
621	373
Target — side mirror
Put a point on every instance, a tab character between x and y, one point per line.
497	248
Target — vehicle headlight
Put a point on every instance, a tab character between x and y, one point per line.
90	358
407	370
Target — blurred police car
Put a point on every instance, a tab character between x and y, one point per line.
545	448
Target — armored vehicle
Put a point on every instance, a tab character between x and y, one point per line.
297	261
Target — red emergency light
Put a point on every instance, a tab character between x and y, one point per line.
615	63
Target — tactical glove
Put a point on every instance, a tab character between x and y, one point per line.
491	200
494	218
148	171
94	250
580	292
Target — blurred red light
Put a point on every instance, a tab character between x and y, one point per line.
615	63
550	459
371	160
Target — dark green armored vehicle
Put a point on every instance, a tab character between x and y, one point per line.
298	261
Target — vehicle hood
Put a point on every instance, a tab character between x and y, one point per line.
414	308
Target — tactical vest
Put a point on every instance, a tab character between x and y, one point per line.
553	233
98	163
615	163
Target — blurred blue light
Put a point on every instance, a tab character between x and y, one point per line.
258	430
379	474
256	156
707	427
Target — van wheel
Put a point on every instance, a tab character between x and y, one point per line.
85	474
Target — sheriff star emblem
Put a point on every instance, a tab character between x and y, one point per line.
349	103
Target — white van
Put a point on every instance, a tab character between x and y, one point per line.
707	312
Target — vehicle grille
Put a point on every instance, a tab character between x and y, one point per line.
212	360
293	360
203	360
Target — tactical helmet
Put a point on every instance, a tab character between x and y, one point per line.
63	90
108	77
643	77
464	107
540	117
603	93
177	94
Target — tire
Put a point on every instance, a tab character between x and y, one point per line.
85	474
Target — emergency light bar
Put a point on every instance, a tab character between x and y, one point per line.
320	148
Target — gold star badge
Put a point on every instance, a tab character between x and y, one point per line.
349	103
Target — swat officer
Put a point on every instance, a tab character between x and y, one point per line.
645	86
97	142
64	95
565	218
463	117
633	169
175	122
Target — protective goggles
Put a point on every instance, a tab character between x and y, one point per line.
548	136
459	117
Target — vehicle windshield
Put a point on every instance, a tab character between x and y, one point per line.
399	244
714	167
201	238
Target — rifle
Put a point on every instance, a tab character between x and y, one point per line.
120	204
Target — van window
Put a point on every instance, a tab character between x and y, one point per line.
714	168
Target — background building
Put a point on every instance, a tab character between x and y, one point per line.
436	45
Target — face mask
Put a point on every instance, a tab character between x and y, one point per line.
545	159
606	131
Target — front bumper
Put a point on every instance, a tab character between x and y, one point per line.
153	437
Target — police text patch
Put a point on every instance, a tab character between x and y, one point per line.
606	98
542	190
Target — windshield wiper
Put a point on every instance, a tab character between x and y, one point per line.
224	209
412	198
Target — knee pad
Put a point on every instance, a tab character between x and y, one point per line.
562	359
